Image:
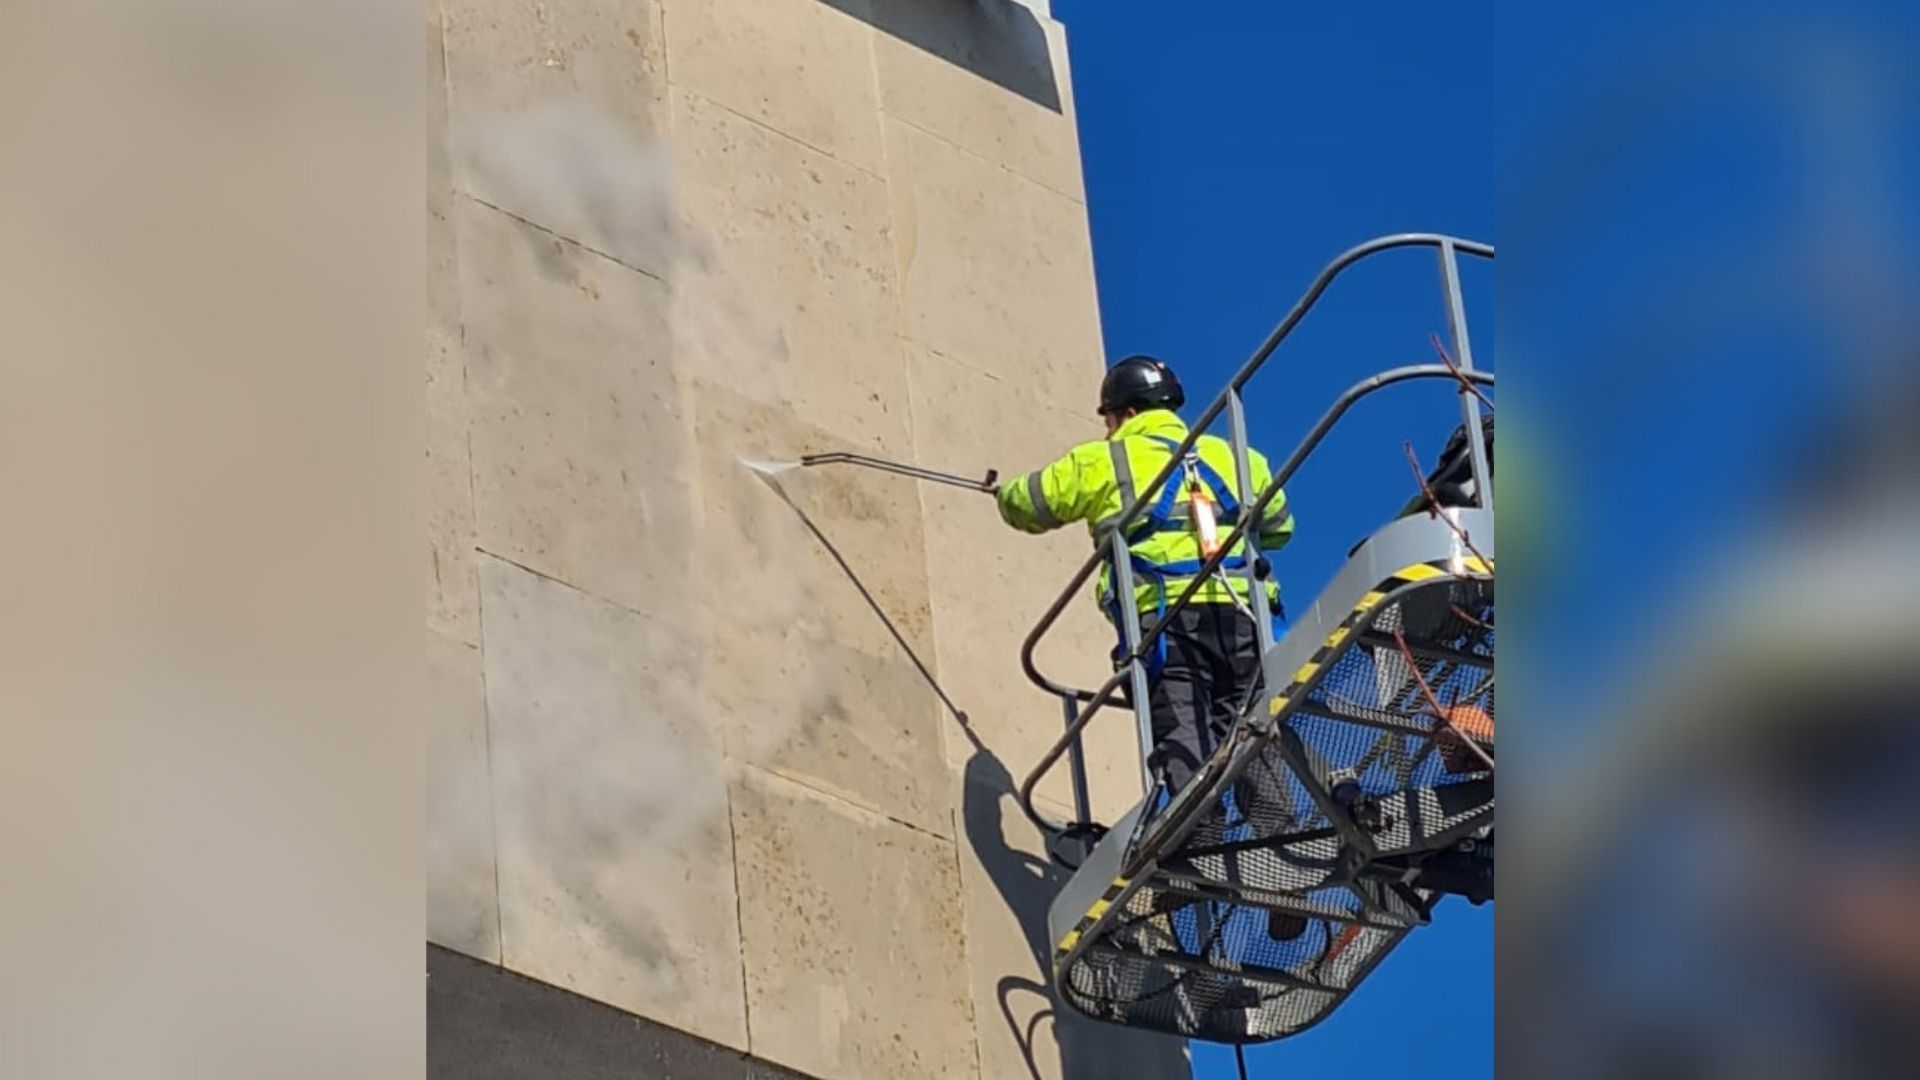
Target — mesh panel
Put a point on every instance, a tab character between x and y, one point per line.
1371	721
1265	832
1260	919
1225	971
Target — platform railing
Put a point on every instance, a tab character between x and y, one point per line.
1082	705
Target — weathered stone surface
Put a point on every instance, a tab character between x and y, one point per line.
810	682
852	931
463	910
798	243
995	270
1007	885
863	233
615	855
543	96
443	280
926	88
802	67
502	57
990	584
453	600
580	439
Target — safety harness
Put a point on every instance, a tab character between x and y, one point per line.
1164	516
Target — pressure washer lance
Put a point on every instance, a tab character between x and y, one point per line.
989	485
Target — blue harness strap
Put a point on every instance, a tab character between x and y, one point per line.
1162	517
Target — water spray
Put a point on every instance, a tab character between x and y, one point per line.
770	472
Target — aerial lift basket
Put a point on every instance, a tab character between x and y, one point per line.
1325	829
1351	797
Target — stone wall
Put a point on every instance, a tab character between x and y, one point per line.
679	767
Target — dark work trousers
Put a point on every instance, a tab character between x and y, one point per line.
1211	672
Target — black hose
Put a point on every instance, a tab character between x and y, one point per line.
873	603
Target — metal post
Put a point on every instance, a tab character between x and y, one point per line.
1463	354
1242	460
1122	563
1077	765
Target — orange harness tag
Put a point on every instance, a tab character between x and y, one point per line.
1206	525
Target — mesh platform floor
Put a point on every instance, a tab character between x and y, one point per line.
1253	913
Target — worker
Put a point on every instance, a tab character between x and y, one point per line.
1206	670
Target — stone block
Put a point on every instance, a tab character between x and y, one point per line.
852	930
581	443
614	847
453	600
995	270
810	680
795	244
802	67
552	106
453	605
926	80
463	909
443	279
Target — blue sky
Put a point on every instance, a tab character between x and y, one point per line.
1230	151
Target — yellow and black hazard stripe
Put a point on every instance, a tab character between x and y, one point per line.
1410	575
1094	912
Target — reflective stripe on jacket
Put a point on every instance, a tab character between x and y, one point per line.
1094	482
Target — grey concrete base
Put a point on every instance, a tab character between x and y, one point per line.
487	1023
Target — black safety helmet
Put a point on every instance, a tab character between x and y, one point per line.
1140	382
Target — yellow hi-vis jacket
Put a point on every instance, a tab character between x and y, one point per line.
1095	481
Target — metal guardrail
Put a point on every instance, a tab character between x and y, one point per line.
1131	668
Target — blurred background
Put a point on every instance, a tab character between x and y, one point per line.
1706	316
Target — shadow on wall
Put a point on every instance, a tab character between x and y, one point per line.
1027	885
999	40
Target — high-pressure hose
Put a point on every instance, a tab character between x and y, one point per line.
769	472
